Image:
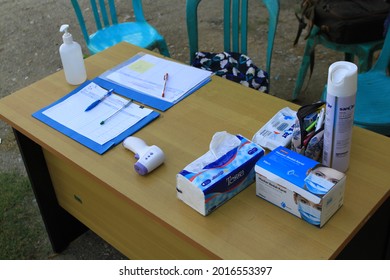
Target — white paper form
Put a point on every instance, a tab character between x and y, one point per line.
71	113
146	75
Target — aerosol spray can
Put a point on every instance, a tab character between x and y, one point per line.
340	107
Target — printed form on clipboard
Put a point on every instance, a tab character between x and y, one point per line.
101	128
144	75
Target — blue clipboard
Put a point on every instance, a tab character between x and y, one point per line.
100	149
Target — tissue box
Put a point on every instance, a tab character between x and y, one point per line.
210	185
300	185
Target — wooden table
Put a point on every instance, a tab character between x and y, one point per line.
77	189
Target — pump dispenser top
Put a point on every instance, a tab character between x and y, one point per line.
67	37
72	58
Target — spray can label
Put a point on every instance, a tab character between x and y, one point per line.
338	131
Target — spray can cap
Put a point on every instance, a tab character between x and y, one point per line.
342	78
67	37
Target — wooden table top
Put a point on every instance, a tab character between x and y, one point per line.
246	227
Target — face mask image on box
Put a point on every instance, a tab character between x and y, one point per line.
317	185
321	179
309	211
309	214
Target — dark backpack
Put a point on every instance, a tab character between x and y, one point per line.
344	21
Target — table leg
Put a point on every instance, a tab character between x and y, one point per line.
62	228
387	255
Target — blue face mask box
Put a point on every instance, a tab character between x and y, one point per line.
300	185
220	180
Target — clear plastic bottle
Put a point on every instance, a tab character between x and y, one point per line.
340	107
72	58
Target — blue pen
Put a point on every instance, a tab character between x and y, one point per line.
95	103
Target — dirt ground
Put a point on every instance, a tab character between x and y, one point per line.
30	38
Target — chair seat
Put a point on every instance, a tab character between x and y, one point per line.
234	27
136	33
372	109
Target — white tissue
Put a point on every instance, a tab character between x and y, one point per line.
221	143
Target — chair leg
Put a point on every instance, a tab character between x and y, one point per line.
163	48
364	61
349	57
306	59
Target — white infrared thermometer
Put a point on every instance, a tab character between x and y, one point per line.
149	157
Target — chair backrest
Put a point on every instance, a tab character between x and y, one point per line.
102	17
235	26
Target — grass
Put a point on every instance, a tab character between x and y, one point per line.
22	233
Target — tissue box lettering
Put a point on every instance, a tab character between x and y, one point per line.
300	185
206	185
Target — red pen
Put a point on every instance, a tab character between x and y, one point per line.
165	83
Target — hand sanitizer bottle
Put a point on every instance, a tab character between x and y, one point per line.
340	108
72	58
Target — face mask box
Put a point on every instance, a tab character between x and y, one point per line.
220	180
300	185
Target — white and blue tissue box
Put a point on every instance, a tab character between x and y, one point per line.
300	185
217	176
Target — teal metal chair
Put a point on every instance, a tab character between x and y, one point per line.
109	32
235	26
372	108
364	52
